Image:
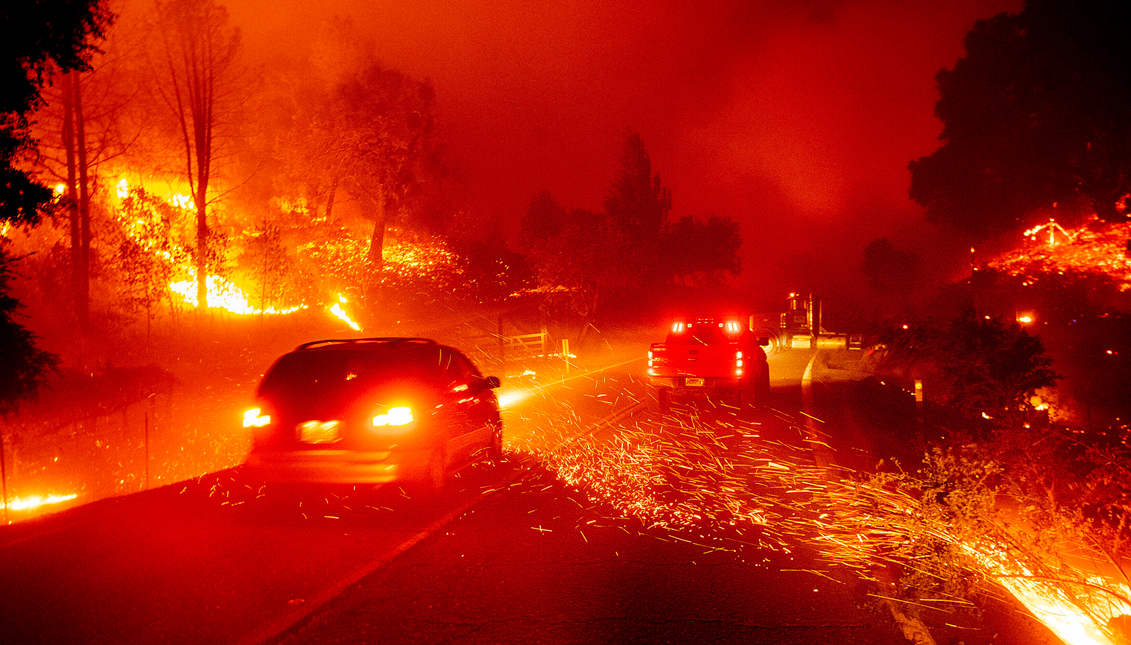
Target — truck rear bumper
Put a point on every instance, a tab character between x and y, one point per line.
697	383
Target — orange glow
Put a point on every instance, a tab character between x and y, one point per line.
1052	228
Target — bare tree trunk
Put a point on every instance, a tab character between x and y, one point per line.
201	253
203	132
330	203
72	194
377	242
83	206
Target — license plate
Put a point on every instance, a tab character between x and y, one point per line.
694	381
318	432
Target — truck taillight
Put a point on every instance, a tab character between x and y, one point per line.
738	363
677	328
733	327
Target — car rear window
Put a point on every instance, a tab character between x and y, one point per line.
699	334
316	373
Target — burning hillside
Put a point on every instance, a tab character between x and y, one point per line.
1093	249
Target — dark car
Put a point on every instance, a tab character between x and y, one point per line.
371	411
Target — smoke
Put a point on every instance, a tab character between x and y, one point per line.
797	119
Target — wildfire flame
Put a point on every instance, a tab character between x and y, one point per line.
1095	248
222	294
35	501
337	310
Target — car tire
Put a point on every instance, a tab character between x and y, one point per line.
662	399
757	393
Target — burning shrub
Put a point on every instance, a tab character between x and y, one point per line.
978	367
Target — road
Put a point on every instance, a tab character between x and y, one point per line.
567	542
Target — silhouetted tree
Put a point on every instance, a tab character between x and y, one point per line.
706	249
1036	115
23	366
892	274
38	41
589	258
81	128
639	207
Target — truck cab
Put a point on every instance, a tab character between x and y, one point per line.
709	355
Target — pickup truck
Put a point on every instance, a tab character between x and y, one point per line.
709	355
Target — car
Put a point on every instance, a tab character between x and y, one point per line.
373	411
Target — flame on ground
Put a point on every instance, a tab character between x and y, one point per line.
35	501
337	310
222	294
1095	248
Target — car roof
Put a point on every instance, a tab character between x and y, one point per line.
384	343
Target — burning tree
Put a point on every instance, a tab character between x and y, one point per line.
199	82
373	135
150	253
265	258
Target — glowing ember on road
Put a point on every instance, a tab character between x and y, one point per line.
721	479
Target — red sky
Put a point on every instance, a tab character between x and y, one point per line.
796	118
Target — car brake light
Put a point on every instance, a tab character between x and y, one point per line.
398	416
255	418
677	328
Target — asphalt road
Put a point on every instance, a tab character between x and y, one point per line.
540	550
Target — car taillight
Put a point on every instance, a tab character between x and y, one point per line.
738	363
394	420
256	418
